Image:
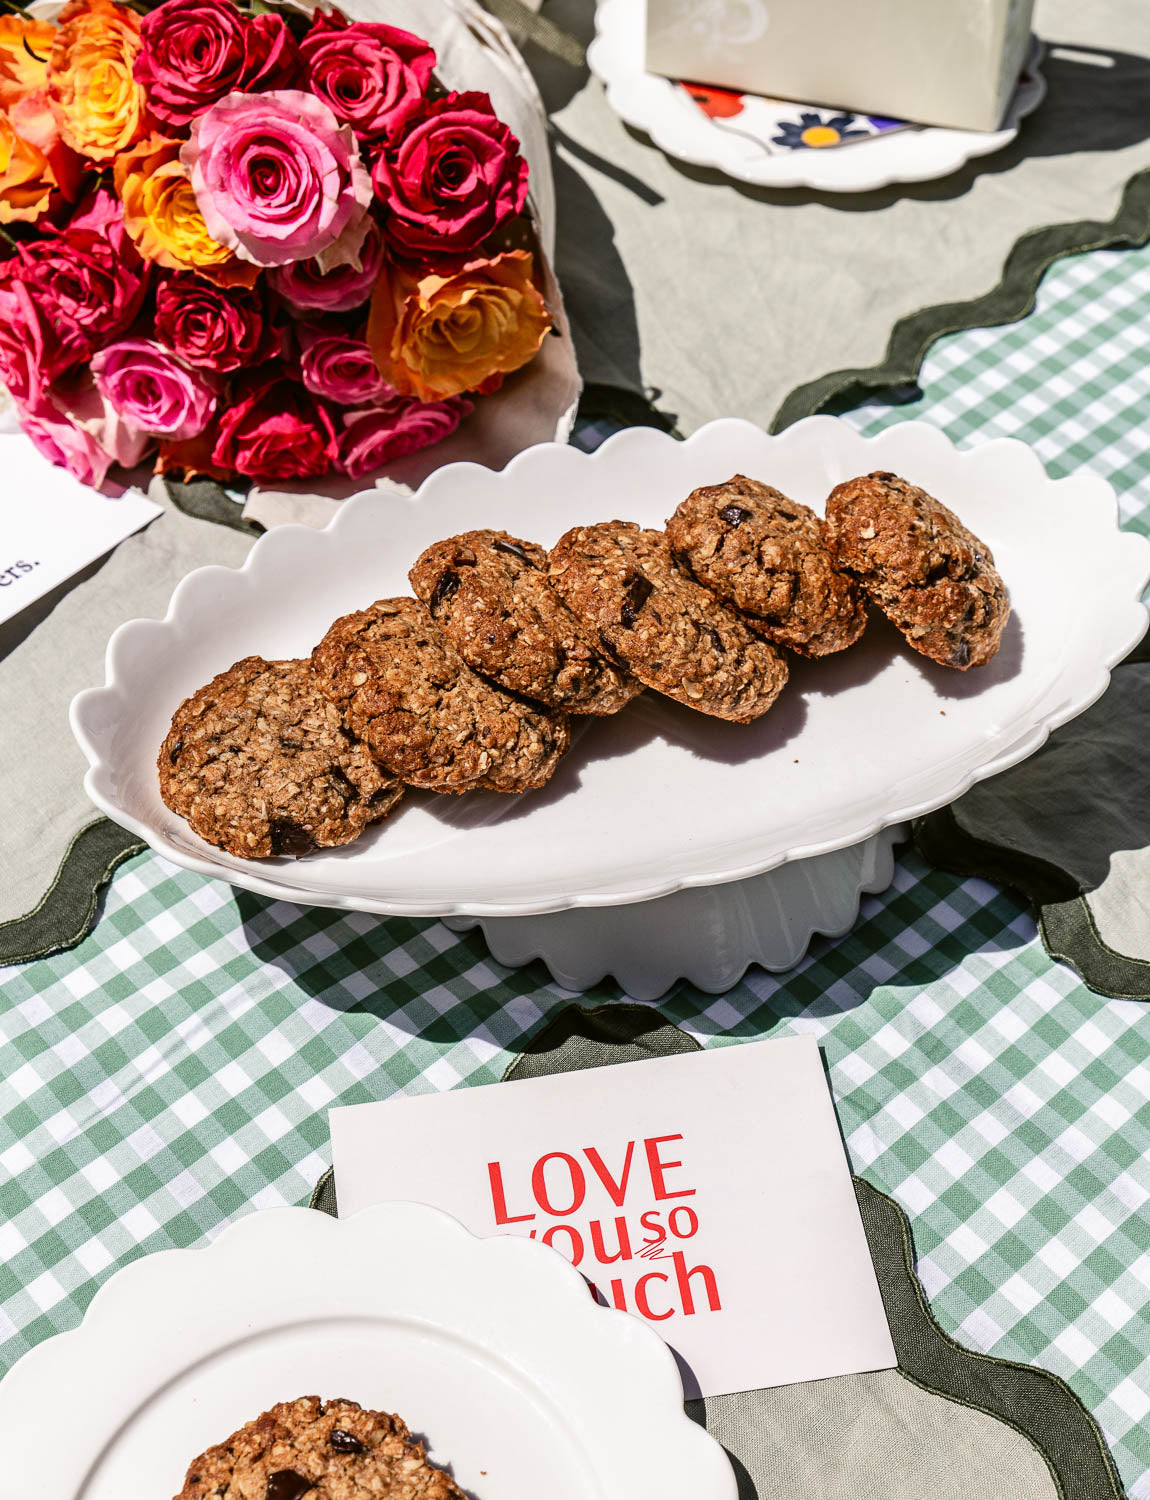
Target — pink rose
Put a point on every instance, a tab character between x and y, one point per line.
372	77
68	446
81	402
278	178
340	368
452	178
212	327
32	353
305	287
87	280
378	436
196	51
274	430
152	391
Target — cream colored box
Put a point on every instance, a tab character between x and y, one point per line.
937	62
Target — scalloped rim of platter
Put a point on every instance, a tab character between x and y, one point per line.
150	665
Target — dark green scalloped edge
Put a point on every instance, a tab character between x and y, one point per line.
68	909
1035	1403
1065	922
1011	299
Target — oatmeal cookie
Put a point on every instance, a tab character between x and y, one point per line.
488	593
314	1450
421	711
769	558
260	763
934	580
630	599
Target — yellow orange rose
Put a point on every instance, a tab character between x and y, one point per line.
26	178
97	102
24	48
160	210
438	336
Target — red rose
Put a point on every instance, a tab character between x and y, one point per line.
32	353
214	327
88	279
372	77
274	430
196	51
452	178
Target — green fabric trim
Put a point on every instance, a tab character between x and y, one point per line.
68	909
615	403
205	500
941	840
1036	1404
1070	934
1010	300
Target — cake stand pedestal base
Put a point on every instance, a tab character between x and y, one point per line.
708	936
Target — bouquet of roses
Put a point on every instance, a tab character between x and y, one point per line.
266	244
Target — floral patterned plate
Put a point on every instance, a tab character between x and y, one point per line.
773	143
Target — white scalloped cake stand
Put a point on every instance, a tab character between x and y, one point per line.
708	936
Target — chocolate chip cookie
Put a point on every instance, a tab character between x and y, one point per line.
312	1450
932	578
630	599
424	714
769	558
260	763
488	592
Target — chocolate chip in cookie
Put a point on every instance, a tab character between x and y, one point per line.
489	594
770	558
424	714
622	585
261	764
933	579
314	1450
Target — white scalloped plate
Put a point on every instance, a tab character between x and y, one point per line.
659	107
658	798
492	1349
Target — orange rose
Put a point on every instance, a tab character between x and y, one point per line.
26	179
24	48
160	209
33	161
97	103
438	336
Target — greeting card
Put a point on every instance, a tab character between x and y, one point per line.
708	1194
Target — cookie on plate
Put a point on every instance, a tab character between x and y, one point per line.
769	558
314	1450
424	714
488	592
932	578
630	599
260	763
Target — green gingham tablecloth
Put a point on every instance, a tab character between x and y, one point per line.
175	1069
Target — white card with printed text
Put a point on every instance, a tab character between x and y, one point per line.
52	526
708	1192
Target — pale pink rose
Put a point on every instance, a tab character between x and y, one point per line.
340	368
278	179
153	391
83	403
304	286
69	446
380	435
